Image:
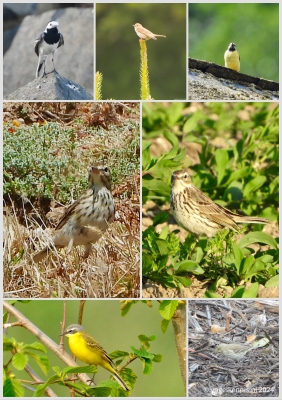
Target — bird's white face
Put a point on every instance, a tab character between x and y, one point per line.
52	24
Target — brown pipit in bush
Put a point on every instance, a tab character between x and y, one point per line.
236	351
85	221
197	213
144	33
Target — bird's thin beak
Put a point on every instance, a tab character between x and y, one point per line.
62	334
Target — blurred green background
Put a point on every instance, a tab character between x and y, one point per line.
102	319
253	27
118	50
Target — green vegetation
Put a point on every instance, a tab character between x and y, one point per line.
39	157
237	166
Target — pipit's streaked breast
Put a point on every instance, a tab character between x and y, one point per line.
197	213
85	221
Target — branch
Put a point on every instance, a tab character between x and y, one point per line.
54	347
179	326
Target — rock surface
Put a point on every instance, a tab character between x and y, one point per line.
74	60
51	87
209	81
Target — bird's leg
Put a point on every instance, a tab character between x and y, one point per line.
87	249
54	70
92	380
196	244
44	66
69	249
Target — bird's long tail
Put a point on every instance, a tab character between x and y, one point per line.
120	381
250	220
40	255
160	35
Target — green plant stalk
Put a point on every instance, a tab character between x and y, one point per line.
98	91
144	72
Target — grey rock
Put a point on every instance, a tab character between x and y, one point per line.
74	60
20	9
209	81
51	87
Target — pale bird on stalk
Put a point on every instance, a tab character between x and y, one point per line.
144	33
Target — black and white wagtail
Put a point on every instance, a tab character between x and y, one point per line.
47	43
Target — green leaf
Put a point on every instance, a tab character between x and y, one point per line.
12	387
146	339
212	295
185	265
8	344
238	256
272	282
42	361
221	159
142	353
57	370
252	292
146	157
186	282
256	267
35	346
147	366
257	237
238	292
163	169
19	361
173	139
253	185
247	264
42	387
164	325
162	246
156	186
99	391
86	369
167	308
118	354
160	218
157	358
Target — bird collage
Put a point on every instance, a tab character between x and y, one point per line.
140	146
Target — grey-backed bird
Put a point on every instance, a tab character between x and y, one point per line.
47	43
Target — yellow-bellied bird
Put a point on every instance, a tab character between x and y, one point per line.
232	58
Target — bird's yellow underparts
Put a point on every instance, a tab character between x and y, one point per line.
232	58
88	350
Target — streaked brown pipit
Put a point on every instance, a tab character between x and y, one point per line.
144	33
197	213
85	221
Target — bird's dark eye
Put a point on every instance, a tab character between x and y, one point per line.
106	169
185	176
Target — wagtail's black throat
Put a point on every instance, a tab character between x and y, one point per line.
47	43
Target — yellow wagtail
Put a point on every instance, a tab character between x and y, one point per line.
88	350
